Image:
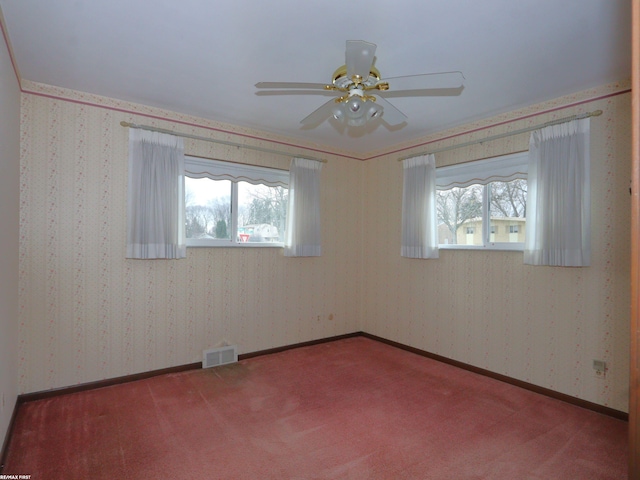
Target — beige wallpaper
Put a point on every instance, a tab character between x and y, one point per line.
9	240
543	325
87	313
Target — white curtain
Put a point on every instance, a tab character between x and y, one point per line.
559	196
302	238
419	218
155	209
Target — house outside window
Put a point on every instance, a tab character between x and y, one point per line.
482	204
234	205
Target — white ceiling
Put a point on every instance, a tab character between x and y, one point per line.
203	57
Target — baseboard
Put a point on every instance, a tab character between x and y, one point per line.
31	397
192	366
270	351
503	378
7	437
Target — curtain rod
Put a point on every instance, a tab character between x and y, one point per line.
595	113
223	142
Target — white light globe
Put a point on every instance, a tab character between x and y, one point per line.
373	111
357	122
354	107
338	113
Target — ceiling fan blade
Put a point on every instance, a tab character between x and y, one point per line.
278	92
390	114
445	80
290	85
320	114
428	92
359	58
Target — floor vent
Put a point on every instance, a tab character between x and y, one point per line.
219	356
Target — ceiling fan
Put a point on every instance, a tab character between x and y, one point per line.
362	90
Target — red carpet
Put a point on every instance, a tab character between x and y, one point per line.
350	409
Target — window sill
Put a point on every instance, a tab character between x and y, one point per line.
497	247
234	245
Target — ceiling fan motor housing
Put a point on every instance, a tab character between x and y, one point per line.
342	82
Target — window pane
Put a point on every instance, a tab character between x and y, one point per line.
507	211
460	215
261	213
208	208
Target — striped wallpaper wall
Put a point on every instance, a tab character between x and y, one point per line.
87	313
543	325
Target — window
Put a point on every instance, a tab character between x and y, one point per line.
231	204
482	204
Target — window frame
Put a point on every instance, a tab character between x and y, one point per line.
198	167
503	168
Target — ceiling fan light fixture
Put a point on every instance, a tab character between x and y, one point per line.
356	110
367	111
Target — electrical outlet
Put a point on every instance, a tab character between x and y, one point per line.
600	368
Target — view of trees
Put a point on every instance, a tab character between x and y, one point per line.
258	204
509	199
268	205
457	206
211	219
199	218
